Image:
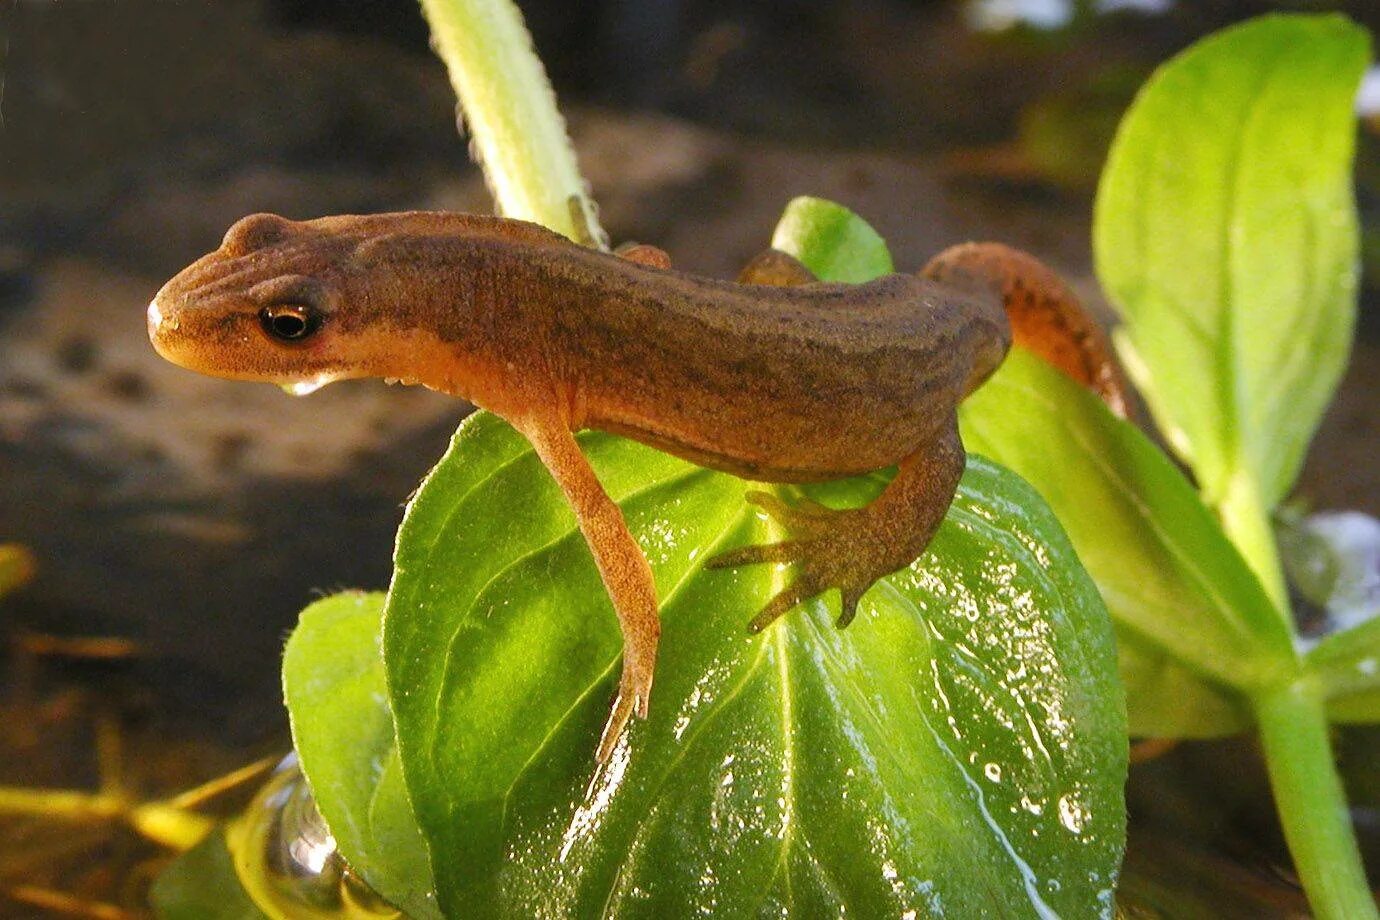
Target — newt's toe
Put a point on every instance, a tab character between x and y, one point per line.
787	551
801	589
634	692
613	729
848	603
830	548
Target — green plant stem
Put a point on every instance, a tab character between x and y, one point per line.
519	136
1247	522
1311	803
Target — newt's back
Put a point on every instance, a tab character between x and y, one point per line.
794	383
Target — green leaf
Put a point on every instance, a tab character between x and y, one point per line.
201	884
961	747
1359	707
333	683
1193	621
1348	664
832	241
1225	232
1169	700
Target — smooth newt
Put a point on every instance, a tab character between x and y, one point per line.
775	377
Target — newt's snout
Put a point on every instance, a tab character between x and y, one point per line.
245	314
193	326
170	325
154	319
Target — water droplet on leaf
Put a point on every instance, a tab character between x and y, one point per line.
287	860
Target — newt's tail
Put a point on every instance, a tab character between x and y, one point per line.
1045	315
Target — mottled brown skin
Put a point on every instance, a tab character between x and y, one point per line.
776	377
1046	316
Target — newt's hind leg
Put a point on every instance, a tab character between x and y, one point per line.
644	254
624	569
852	549
777	269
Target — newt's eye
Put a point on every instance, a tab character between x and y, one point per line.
289	322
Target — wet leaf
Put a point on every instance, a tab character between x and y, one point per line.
1194	621
1226	235
333	683
201	884
958	748
832	241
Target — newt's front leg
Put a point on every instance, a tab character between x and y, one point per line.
851	549
623	567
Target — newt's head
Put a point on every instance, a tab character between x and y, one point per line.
267	305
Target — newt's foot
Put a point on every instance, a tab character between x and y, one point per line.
634	690
831	549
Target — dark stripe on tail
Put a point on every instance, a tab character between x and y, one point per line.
1046	317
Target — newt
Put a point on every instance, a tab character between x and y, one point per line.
774	377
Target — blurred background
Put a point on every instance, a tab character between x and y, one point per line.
179	523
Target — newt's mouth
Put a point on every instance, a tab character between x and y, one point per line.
160	325
155	321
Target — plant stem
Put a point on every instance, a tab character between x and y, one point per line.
65	804
518	134
1311	803
1247	523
